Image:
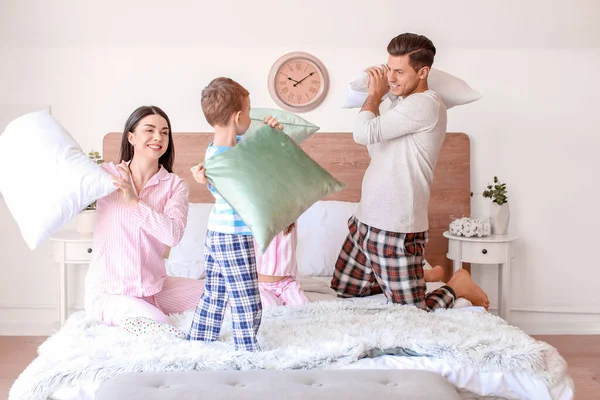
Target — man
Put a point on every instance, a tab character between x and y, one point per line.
384	250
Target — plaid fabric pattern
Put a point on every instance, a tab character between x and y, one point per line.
230	276
373	261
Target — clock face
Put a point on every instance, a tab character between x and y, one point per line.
298	82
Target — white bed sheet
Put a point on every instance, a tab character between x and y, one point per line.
472	383
494	384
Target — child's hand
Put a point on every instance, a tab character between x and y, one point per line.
199	173
289	229
273	123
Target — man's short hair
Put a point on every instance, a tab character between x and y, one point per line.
420	49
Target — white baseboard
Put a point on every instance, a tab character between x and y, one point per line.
556	321
30	319
42	320
19	328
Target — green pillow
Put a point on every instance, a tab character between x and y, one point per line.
294	126
270	181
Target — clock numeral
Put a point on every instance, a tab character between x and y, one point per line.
307	96
284	90
306	68
282	82
313	90
315	82
298	65
290	68
299	98
291	96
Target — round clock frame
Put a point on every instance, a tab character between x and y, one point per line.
293	84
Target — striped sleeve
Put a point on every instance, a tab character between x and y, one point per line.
210	152
168	226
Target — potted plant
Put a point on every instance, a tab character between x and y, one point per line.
85	219
499	210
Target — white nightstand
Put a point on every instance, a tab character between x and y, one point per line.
495	249
70	247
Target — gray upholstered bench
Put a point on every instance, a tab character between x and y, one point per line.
271	385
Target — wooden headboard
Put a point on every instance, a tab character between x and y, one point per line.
347	161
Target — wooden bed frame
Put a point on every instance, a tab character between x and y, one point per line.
347	161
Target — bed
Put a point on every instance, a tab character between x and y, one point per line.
87	344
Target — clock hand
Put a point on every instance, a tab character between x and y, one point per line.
293	80
296	84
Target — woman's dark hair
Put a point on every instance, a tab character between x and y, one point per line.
126	153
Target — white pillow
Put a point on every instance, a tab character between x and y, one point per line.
322	230
354	98
45	177
453	91
187	258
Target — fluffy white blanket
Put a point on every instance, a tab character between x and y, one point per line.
324	334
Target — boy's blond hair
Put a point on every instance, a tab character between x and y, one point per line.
220	99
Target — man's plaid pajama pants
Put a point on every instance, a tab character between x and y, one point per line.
373	261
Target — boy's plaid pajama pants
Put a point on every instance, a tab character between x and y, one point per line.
230	276
373	261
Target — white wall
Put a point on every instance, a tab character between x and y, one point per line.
535	63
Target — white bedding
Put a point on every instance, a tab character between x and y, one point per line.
473	383
507	385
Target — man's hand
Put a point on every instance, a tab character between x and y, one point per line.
378	87
199	174
378	82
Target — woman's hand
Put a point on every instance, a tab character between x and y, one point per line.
199	174
124	184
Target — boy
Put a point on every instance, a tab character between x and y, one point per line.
229	247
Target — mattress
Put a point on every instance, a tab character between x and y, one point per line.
471	384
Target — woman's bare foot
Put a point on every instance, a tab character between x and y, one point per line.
434	274
464	286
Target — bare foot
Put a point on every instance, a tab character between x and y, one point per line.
464	286
434	274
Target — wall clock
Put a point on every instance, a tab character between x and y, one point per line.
298	82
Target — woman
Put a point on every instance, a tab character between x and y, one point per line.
138	223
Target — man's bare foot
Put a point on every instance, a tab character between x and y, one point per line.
464	286
434	274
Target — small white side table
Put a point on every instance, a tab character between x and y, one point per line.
495	249
70	247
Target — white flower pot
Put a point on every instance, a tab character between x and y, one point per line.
499	218
85	221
